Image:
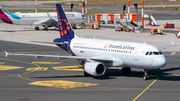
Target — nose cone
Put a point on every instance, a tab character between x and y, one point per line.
161	61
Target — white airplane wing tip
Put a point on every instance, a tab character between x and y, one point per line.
172	43
6	53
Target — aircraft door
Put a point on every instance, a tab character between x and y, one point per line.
69	49
136	54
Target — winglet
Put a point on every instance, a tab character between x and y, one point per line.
6	53
172	43
49	16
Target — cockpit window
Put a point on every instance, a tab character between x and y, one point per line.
155	53
150	53
147	53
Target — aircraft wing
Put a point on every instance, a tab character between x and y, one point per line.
167	46
61	57
49	22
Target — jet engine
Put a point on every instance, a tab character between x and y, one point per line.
94	68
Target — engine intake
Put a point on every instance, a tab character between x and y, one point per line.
94	68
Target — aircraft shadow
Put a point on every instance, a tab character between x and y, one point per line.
113	73
7	31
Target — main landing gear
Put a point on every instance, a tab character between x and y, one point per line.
36	28
45	28
126	70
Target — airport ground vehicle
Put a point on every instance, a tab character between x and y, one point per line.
167	25
95	26
110	22
158	31
120	29
101	22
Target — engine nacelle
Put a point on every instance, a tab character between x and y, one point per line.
94	68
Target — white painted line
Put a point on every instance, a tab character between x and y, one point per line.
173	53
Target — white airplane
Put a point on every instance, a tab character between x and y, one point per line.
97	55
39	19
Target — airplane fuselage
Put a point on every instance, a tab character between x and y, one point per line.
125	54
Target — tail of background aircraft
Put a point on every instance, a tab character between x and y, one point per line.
65	28
4	17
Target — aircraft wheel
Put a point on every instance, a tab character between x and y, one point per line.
128	70
36	28
123	70
45	28
146	77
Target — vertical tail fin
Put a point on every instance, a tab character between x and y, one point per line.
64	25
4	17
2	11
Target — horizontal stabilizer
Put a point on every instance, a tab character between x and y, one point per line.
59	43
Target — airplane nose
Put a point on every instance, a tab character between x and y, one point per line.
161	62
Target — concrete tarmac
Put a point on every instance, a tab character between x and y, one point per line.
49	79
43	79
26	34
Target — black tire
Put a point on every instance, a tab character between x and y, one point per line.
146	77
36	28
46	29
123	70
128	70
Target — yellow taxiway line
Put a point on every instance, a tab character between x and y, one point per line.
145	89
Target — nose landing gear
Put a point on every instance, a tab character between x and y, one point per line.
146	77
